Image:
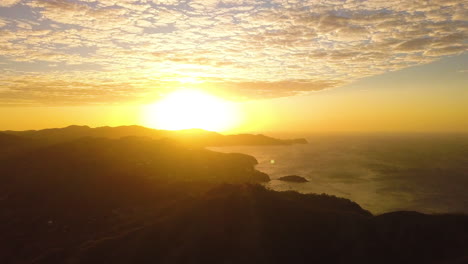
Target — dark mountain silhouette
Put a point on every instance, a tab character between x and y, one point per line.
197	137
139	200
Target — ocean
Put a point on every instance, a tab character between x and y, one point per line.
381	172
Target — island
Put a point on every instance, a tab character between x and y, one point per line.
293	178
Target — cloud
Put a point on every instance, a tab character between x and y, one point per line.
9	2
3	22
246	49
414	44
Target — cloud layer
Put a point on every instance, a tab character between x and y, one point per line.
112	51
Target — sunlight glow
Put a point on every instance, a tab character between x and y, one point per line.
186	109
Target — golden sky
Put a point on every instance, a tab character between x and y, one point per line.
296	65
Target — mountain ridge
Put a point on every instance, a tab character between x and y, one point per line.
197	137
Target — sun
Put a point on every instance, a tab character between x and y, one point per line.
186	109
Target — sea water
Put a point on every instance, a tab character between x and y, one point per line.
381	172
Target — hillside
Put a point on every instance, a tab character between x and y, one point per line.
12	144
187	223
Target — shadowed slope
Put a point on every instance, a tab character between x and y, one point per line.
249	224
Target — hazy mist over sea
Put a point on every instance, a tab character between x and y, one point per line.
381	172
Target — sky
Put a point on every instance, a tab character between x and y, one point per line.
330	65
